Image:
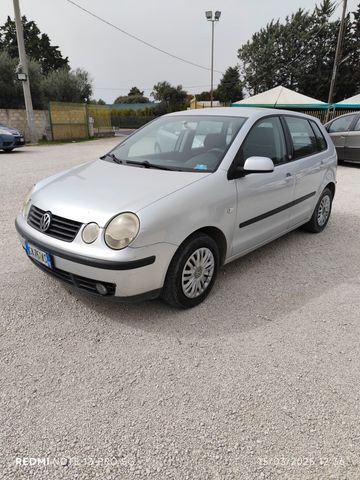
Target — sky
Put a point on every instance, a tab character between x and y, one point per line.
116	62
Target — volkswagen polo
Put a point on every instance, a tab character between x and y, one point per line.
142	222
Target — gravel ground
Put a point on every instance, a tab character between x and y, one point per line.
260	381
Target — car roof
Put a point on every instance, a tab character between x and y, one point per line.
247	112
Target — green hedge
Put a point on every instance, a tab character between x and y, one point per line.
125	121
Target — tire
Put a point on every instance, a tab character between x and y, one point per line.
8	150
321	214
183	276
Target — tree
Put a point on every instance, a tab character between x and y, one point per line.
299	54
203	96
50	76
131	99
38	46
96	102
10	89
230	89
135	91
67	86
11	93
174	98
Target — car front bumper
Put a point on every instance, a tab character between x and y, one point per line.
135	273
11	141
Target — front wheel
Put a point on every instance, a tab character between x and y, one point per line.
321	214
192	272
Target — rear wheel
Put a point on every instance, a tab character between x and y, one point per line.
321	214
192	272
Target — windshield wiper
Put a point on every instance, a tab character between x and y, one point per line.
147	164
113	157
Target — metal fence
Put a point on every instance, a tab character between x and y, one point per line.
334	112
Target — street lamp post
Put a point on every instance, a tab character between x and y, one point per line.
210	17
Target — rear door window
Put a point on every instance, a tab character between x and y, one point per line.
303	137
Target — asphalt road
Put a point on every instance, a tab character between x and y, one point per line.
260	381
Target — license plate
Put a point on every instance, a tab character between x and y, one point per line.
38	255
22	140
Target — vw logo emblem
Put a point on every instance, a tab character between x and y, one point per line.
45	221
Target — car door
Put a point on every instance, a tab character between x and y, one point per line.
308	164
338	129
352	142
262	198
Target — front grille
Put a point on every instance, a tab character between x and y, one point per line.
61	228
83	283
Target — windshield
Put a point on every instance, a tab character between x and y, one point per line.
187	142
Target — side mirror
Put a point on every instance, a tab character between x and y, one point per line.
252	165
258	165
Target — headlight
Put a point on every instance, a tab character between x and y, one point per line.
4	132
90	232
122	230
27	202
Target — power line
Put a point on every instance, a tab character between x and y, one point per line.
149	88
138	39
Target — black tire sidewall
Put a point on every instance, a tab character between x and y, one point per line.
326	192
179	262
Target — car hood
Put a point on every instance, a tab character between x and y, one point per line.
12	131
98	190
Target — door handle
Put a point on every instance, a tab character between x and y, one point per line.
288	175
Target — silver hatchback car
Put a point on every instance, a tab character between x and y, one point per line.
344	131
142	222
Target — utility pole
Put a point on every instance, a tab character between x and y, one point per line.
23	70
337	58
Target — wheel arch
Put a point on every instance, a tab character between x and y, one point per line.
332	187
217	235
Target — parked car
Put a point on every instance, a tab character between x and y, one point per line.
345	133
10	138
139	223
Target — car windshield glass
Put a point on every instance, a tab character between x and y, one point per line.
187	142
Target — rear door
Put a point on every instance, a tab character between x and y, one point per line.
352	142
338	129
309	162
